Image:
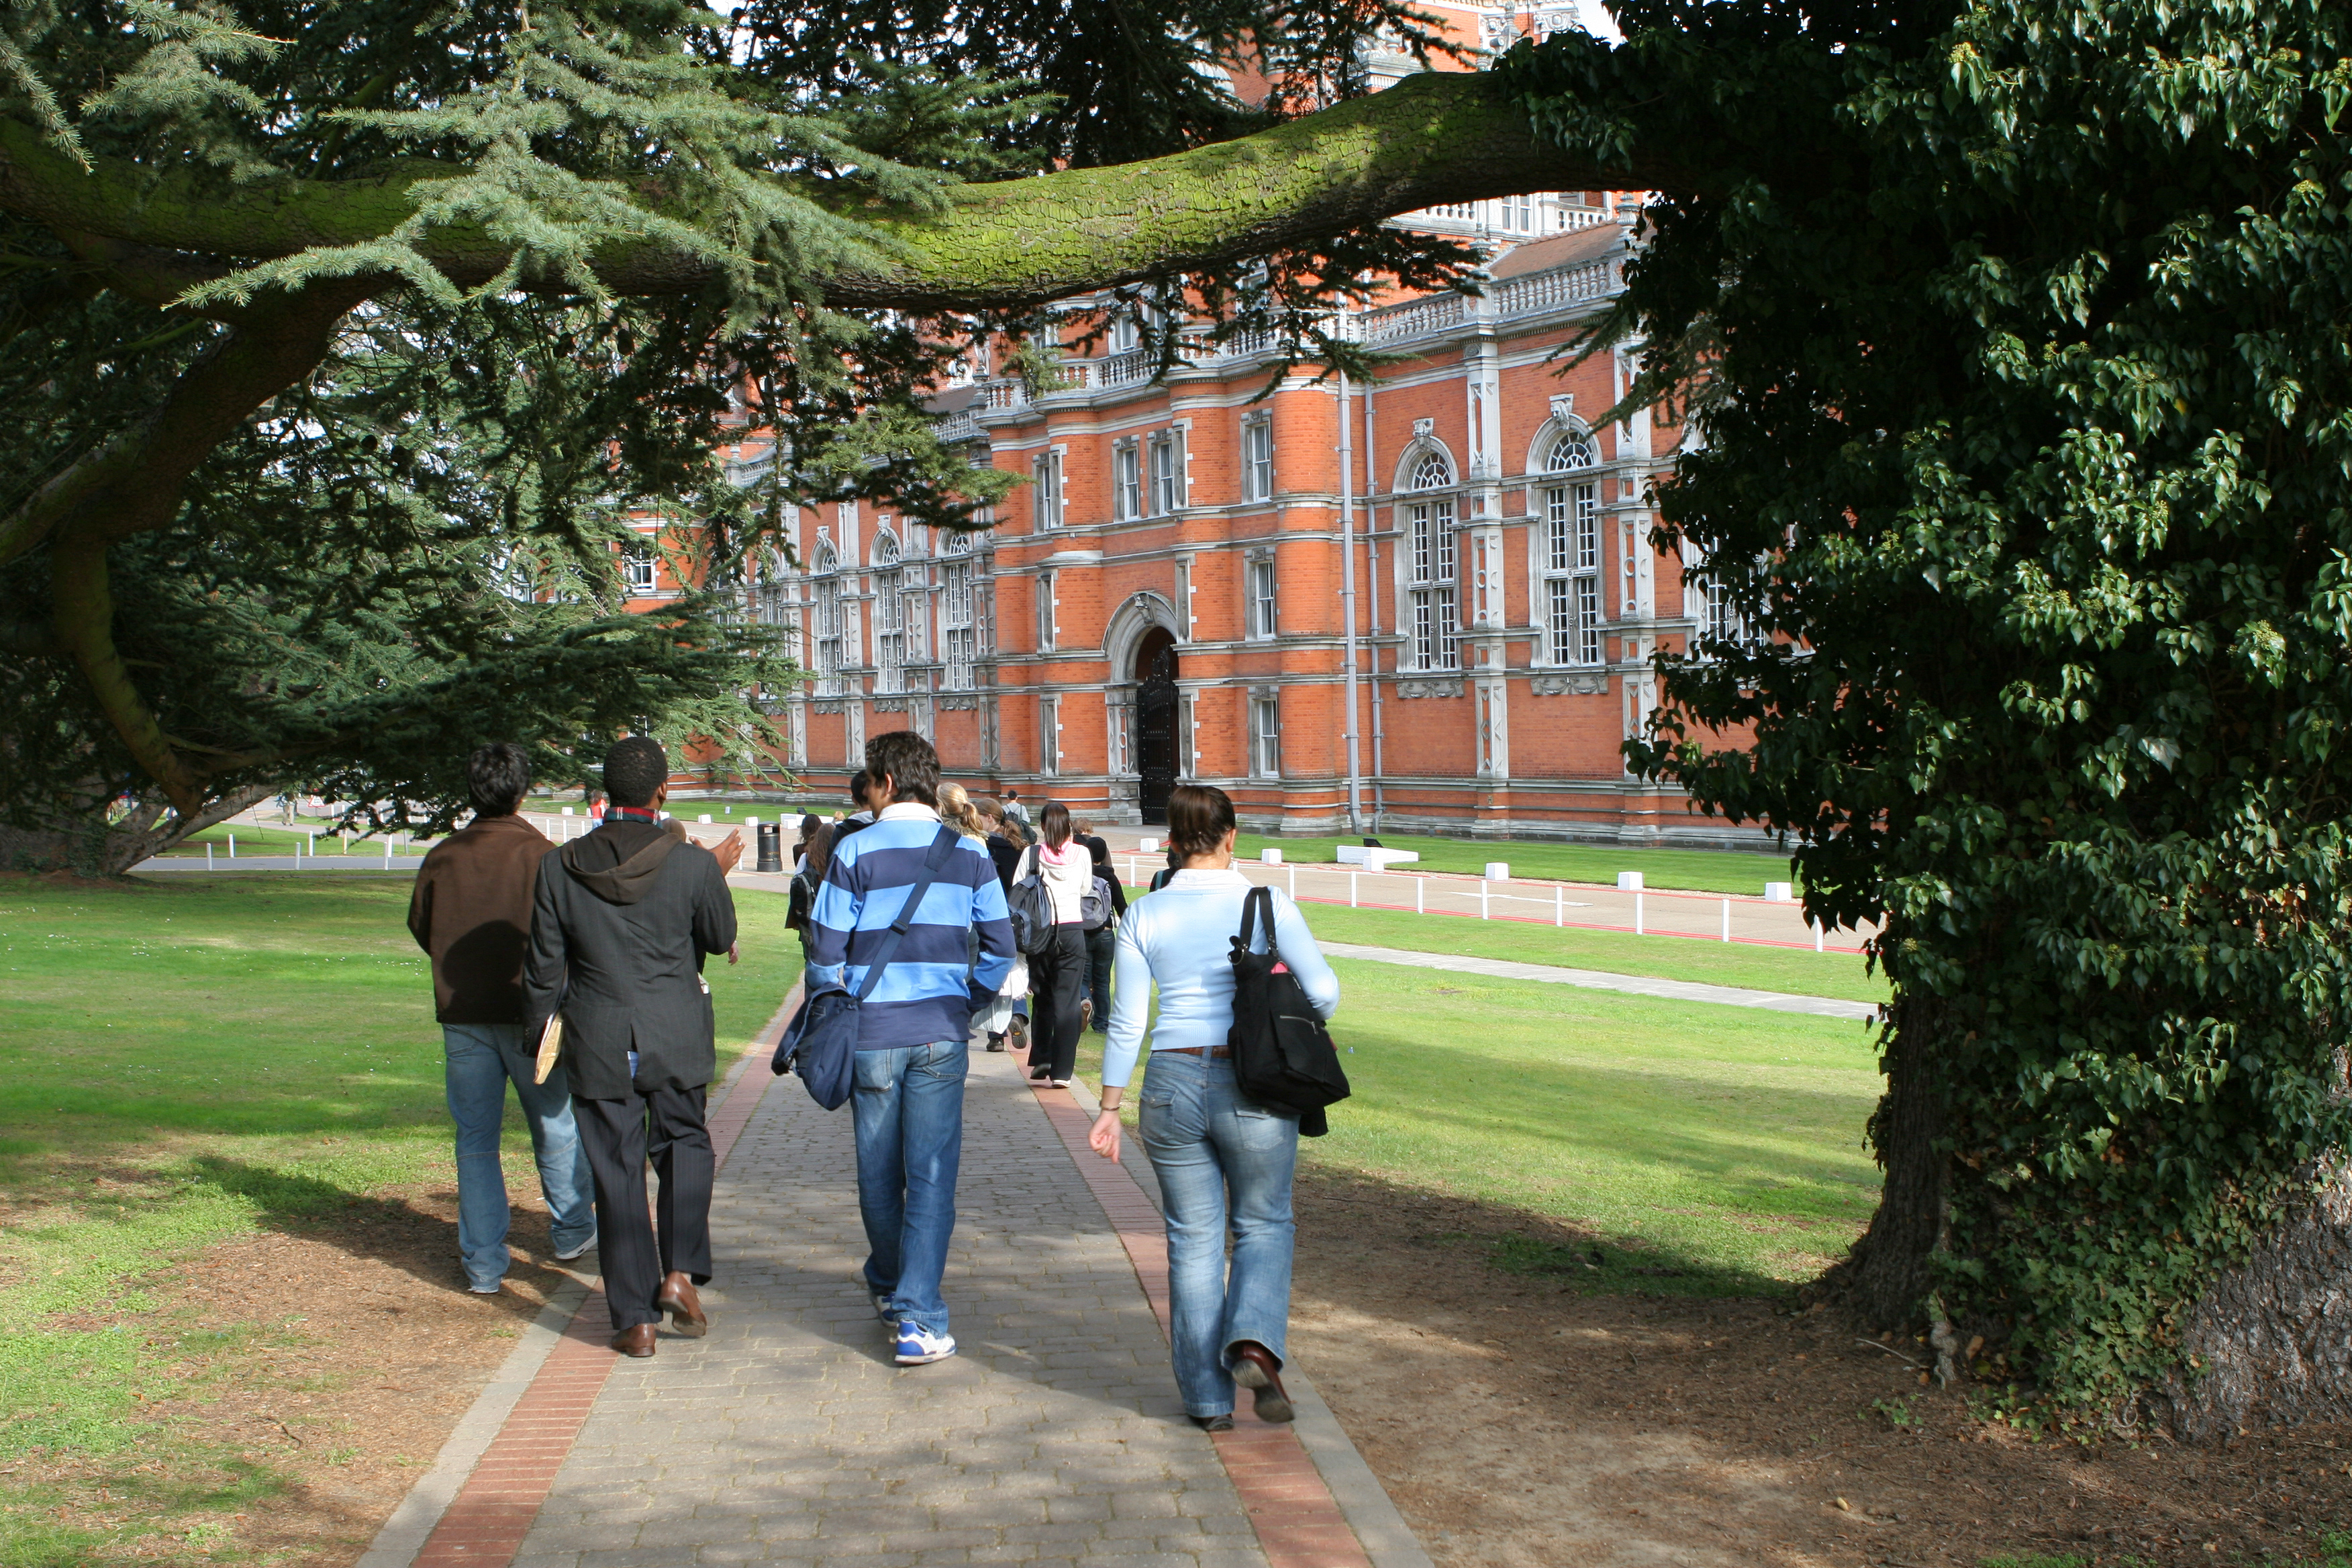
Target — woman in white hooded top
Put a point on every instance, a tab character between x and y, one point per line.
1222	1159
1061	970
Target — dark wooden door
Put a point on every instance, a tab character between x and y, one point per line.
1155	725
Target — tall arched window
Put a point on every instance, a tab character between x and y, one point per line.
959	628
1431	594
1571	555
827	572
889	616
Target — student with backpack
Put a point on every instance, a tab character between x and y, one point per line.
913	1022
1224	1159
1103	913
1049	902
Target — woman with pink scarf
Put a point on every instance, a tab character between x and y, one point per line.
1060	971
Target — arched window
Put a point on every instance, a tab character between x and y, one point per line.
889	615
827	571
1573	450
958	612
1431	595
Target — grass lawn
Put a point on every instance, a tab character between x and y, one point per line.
1800	973
1711	1150
1700	870
186	1061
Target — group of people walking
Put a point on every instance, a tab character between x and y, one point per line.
906	906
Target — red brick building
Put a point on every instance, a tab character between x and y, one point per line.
1172	594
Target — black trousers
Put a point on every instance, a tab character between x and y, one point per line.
620	1136
1055	1027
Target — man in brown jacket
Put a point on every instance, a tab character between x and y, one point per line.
471	912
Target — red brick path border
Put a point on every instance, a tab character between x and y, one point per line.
492	1513
1299	1522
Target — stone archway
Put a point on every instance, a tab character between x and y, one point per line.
1155	759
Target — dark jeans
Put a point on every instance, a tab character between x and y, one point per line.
620	1136
1102	946
1053	1024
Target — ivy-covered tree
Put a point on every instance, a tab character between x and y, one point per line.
2015	339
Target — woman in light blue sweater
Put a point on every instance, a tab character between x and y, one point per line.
1221	1159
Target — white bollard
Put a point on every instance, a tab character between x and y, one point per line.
1148	846
1559	905
1351	889
704	817
387	854
1820	934
1482	900
567	811
1637	912
1727	919
1294	883
232	845
1420	886
208	856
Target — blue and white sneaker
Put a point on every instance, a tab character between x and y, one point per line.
882	1307
918	1346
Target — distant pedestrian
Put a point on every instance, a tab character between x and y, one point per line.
1102	938
1058	975
1223	1163
808	876
623	919
913	1027
1014	811
471	913
1005	1014
596	808
862	811
810	823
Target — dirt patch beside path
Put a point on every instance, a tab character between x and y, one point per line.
321	1366
1520	1424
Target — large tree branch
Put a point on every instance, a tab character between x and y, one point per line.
134	484
1433	138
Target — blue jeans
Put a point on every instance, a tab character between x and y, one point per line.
910	1112
1206	1141
480	1060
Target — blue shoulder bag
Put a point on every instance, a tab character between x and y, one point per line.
821	1042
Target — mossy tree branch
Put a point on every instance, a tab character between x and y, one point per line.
1435	138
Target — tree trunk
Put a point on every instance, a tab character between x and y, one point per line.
94	843
2271	1342
1885	1279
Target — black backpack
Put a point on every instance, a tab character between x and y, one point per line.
1031	906
1283	1056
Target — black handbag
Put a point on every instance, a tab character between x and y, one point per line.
821	1042
1283	1056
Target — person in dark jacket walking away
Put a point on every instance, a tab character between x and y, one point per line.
1102	941
471	913
913	1029
623	919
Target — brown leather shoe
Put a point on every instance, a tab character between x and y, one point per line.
678	1298
1255	1369
638	1341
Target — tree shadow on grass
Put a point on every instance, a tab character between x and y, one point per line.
390	1230
1480	1234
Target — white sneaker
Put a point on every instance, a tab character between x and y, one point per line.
882	1307
918	1346
584	1247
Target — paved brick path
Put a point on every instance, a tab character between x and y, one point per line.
788	1437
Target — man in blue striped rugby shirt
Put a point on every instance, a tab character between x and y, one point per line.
913	1030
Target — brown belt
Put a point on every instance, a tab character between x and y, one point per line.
1195	1051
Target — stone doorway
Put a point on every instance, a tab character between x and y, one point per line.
1155	723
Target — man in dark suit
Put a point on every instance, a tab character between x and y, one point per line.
623	921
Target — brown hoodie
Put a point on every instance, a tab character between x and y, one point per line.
619	861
